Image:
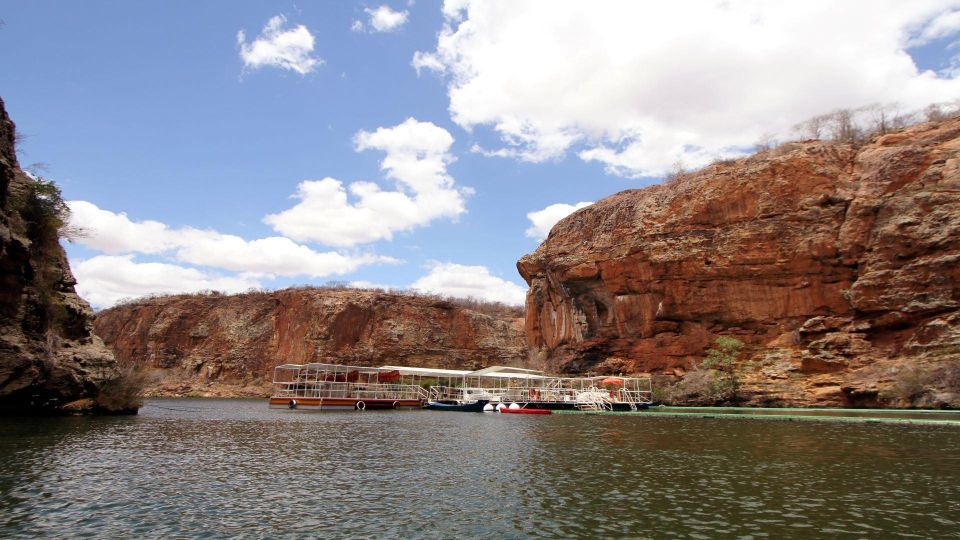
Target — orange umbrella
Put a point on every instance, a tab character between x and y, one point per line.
613	381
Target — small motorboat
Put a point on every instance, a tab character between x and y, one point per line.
458	406
525	411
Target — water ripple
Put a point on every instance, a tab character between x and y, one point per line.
210	469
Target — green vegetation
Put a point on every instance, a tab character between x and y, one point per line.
44	216
44	210
662	388
715	380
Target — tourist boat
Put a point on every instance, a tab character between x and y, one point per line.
320	386
459	406
533	389
336	387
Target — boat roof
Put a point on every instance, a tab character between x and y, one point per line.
505	370
492	371
499	372
428	372
337	368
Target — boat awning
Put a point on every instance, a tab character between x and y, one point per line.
426	372
524	376
505	371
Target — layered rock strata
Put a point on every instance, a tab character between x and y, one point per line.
228	345
837	265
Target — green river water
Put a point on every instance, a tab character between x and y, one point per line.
234	468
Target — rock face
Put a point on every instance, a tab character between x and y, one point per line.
228	345
838	266
48	353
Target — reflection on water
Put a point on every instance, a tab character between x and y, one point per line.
217	468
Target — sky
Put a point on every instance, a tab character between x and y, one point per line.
228	145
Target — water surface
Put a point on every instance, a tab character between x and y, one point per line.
215	468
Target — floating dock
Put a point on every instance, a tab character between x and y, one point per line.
888	416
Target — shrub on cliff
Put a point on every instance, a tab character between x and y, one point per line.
123	394
44	209
715	380
936	386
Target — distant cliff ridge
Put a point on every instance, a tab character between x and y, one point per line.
228	345
837	265
49	356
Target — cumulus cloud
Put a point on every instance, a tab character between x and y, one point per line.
105	279
278	47
115	233
451	279
640	86
382	19
417	155
544	220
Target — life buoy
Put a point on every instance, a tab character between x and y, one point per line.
361	406
396	404
292	404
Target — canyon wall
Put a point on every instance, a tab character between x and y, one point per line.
228	345
837	265
49	357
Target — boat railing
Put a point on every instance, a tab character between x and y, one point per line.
550	394
329	389
458	393
640	397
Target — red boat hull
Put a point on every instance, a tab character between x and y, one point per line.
525	411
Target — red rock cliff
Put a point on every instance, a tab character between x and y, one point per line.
836	265
228	345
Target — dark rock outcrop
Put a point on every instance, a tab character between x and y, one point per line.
49	356
228	345
837	265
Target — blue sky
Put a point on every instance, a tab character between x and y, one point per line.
152	111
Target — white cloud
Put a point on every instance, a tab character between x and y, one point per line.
639	86
946	24
278	47
357	26
364	284
544	220
422	60
385	19
105	279
450	279
115	233
417	154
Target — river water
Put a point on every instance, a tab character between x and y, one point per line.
218	468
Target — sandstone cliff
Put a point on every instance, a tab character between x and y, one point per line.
228	345
838	266
48	353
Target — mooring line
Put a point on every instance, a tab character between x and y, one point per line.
191	409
